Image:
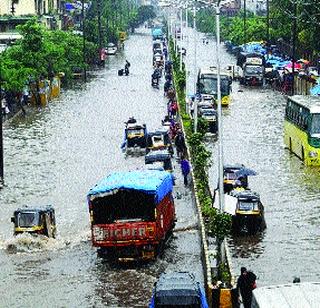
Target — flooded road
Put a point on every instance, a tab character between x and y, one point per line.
54	157
290	191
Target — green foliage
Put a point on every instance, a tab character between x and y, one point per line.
224	273
281	19
42	54
145	12
116	16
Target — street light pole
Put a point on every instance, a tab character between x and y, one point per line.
84	44
187	55
220	133
294	38
195	111
268	23
1	131
245	21
181	38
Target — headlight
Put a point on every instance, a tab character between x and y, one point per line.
313	154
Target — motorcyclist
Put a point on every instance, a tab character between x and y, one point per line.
155	79
166	86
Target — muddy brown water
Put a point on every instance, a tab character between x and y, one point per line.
290	191
55	156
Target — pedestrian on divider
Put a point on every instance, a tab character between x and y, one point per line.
245	285
185	169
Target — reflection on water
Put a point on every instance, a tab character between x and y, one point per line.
247	246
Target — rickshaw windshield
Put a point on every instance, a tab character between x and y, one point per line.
28	219
230	176
248	205
135	131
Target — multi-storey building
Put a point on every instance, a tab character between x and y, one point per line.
15	12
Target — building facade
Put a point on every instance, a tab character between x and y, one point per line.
258	7
14	12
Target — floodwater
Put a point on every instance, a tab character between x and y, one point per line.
290	191
54	156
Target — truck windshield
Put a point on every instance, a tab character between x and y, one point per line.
124	205
315	124
27	219
208	85
253	70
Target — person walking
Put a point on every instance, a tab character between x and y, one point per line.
180	144
126	68
245	285
185	169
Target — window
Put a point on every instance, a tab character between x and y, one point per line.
248	205
124	205
208	85
27	219
315	124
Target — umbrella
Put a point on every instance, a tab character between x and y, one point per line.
303	61
315	90
296	65
243	172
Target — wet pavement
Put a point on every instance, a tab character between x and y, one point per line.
253	135
54	157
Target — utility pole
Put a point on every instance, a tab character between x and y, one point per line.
84	44
294	40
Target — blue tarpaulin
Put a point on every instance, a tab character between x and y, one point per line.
154	182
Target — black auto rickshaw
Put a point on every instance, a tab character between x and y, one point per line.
35	220
249	213
158	61
160	156
159	140
230	177
135	134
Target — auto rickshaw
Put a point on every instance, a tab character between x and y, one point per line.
35	221
162	156
230	177
159	140
135	134
249	213
158	60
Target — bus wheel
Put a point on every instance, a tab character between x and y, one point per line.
290	144
302	153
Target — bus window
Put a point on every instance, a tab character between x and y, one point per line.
208	85
315	124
